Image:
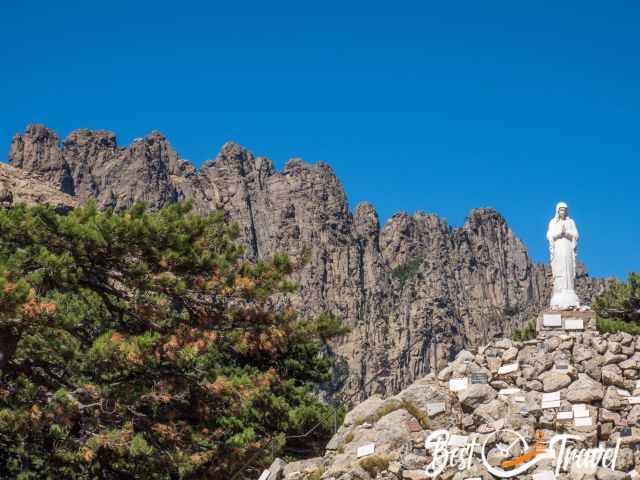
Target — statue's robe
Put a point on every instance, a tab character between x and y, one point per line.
563	262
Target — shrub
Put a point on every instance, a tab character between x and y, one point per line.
528	332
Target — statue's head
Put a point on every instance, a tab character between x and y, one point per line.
562	210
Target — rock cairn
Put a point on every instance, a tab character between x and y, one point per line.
575	382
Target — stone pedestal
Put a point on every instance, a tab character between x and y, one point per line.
566	321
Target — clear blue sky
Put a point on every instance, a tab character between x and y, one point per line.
433	106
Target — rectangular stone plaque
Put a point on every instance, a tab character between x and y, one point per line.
519	398
512	367
458	384
564	415
552	320
367	449
436	408
458	441
551	397
573	324
544	475
623	393
552	404
508	391
265	475
634	400
583	422
479	378
580	411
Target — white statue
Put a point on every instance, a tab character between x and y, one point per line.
563	240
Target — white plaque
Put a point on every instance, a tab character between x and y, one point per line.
634	400
544	475
552	404
564	415
519	398
552	320
508	391
458	384
512	367
573	324
458	441
580	411
367	449
550	397
623	393
583	422
436	408
265	475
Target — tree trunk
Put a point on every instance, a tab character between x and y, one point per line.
8	344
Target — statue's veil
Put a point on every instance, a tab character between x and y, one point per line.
558	207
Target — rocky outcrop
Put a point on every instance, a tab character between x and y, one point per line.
19	186
384	437
403	288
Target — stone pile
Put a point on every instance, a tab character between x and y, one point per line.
581	383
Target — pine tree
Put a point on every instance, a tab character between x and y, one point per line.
142	345
618	308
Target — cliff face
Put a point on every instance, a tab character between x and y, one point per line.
398	286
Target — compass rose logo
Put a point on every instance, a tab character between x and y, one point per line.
517	456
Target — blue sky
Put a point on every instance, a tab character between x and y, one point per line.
433	106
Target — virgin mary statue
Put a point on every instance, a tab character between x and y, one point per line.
563	239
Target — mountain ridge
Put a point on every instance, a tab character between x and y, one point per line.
399	286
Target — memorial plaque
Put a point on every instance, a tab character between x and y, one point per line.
562	364
583	422
520	398
574	324
512	367
265	475
552	320
633	400
551	404
581	411
544	475
479	378
365	450
564	415
551	397
508	391
458	384
458	441
486	428
436	408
